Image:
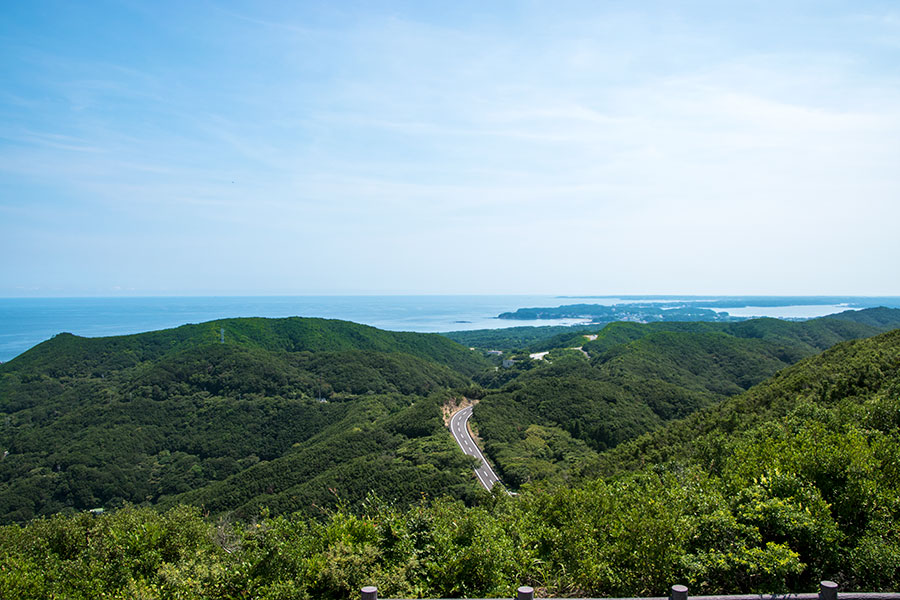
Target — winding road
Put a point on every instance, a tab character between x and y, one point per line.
459	427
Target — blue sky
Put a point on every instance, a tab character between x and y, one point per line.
168	148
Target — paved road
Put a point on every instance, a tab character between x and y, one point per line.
459	427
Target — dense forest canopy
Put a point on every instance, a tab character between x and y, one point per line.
278	413
540	419
304	458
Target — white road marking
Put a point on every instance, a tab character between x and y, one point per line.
485	473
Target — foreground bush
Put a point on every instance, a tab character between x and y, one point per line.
637	535
794	482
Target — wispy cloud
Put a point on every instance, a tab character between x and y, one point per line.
565	135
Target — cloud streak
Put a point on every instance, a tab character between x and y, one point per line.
522	150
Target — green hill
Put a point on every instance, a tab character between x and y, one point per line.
525	337
639	376
768	492
387	445
855	381
66	354
286	409
91	422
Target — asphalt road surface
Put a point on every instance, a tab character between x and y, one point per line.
459	427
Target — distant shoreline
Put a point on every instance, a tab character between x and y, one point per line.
25	322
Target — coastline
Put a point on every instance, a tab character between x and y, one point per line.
25	322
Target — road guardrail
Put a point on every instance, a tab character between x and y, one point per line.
828	590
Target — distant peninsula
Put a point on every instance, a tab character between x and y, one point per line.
638	312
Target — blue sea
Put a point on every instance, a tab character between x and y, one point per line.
25	322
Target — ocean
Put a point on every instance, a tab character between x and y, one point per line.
25	322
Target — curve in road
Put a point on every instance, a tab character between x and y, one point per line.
459	427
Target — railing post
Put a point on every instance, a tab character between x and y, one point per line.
370	592
828	590
679	592
525	592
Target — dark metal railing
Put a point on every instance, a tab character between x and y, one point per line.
828	590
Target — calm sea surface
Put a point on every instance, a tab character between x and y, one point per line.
25	322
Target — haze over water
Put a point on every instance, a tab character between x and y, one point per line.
25	322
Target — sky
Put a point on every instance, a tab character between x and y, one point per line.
265	148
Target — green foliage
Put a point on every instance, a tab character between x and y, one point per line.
151	417
641	376
772	490
544	453
113	556
67	354
515	338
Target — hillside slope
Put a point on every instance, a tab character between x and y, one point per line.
790	483
67	354
855	381
142	418
637	377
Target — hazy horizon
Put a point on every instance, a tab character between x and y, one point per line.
626	296
25	322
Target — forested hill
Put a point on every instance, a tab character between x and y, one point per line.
543	418
856	381
803	337
821	332
66	354
277	412
281	403
881	317
769	492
